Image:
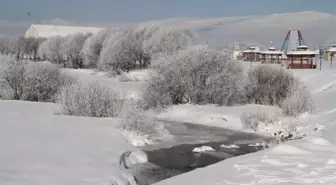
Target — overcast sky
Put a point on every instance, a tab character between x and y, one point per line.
142	10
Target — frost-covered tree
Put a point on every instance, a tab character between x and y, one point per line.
50	49
71	48
4	43
122	52
31	47
163	39
92	48
197	75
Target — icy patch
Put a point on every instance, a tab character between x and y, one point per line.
203	149
229	146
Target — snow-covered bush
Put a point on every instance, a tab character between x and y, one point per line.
272	85
32	81
298	102
12	74
197	75
139	125
51	49
92	48
72	47
269	85
90	100
258	119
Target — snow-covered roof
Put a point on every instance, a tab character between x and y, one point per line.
272	52
302	47
251	51
331	49
55	30
305	52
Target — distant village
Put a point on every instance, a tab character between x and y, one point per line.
293	54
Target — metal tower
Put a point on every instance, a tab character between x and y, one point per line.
288	40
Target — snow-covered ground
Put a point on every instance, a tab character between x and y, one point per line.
38	147
311	160
211	115
131	89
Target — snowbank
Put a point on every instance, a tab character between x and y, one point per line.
38	147
211	115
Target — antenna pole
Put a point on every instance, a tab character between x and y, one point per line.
320	56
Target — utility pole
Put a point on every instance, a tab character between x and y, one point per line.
321	56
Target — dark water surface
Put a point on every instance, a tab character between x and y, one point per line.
173	157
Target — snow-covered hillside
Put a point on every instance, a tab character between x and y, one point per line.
311	160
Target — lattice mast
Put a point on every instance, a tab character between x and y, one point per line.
287	41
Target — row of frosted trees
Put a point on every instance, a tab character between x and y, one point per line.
110	49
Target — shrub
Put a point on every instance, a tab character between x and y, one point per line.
32	81
272	85
299	101
197	75
90	100
269	85
256	118
12	75
135	120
